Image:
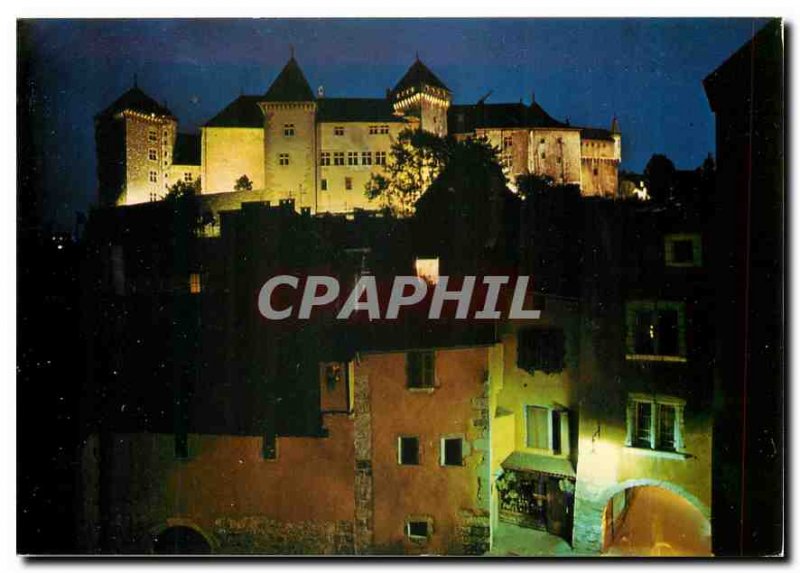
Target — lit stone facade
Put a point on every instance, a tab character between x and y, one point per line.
321	151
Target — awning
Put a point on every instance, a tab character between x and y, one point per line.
523	461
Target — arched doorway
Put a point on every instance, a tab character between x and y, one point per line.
654	521
180	540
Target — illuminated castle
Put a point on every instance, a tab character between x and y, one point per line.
320	151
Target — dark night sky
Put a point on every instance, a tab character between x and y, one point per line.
647	72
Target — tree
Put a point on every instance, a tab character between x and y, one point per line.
243	184
660	177
417	159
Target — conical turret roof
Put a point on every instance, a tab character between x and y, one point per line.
290	85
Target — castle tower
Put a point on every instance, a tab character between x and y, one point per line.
422	96
290	138
135	137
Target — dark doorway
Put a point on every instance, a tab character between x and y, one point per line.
180	541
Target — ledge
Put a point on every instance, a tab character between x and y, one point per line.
657	453
654	358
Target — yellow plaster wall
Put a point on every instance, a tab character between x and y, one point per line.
227	154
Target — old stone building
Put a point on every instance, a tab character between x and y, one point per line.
320	151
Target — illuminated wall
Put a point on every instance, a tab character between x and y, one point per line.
149	141
227	154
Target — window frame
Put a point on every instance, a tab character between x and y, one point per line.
380	158
443	450
697	250
338	158
152	154
400	448
288	130
633	308
554	412
428	521
427	370
656	402
352	158
338	130
325	158
283	160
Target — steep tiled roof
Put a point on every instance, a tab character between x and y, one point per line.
466	118
187	149
241	112
290	85
596	133
355	109
135	100
417	75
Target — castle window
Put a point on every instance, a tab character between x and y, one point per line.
380	158
152	135
325	158
352	157
420	369
452	451
373	129
153	177
338	157
366	158
323	184
408	450
166	133
508	142
547	429
152	154
288	130
595	171
338	130
384	129
656	331
283	159
348	183
655	422
187	177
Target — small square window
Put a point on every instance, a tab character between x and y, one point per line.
373	129
325	158
152	135
288	130
153	177
152	155
417	530
323	184
187	177
384	129
683	250
452	452
283	159
338	157
380	158
366	158
352	158
408	451
348	183
338	130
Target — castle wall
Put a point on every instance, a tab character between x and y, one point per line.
146	178
227	154
297	180
356	138
600	167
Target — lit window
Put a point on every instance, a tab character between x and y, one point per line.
195	286
384	129
418	529
283	159
288	130
452	451
352	157
348	183
338	130
683	250
408	450
427	269
373	129
421	369
323	184
366	158
508	142
656	331
380	158
153	177
655	422
187	177
338	157
152	155
152	135
325	158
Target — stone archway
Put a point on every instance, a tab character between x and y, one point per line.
654	518
180	537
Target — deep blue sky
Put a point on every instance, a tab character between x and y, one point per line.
647	72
